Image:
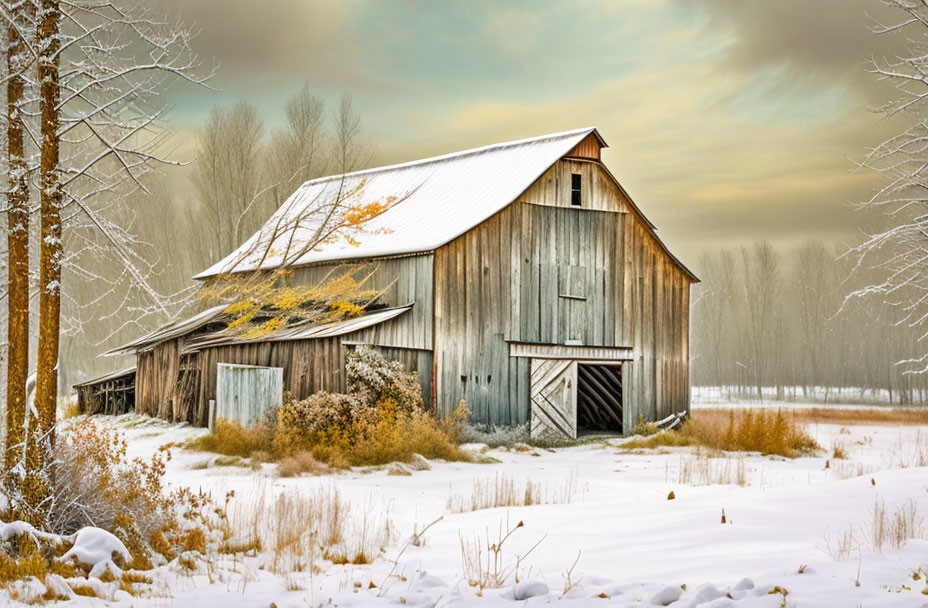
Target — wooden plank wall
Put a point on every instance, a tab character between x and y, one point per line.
409	280
157	373
505	280
588	148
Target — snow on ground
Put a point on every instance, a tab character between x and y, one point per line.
619	539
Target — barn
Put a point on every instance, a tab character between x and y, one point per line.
519	277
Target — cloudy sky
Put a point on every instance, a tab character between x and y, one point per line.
727	120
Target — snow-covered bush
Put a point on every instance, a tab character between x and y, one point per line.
371	378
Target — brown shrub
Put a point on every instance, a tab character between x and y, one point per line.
388	436
194	540
95	481
746	430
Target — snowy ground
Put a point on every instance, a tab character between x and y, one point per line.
627	544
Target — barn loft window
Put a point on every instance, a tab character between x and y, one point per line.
575	181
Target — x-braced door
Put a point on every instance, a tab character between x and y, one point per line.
554	399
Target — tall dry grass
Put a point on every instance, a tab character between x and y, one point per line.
765	431
506	491
704	469
297	528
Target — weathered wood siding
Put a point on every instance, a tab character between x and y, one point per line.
246	393
544	271
406	279
588	148
157	373
308	366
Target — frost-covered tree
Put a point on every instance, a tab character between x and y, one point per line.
895	254
100	70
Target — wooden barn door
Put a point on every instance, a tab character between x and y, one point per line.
554	399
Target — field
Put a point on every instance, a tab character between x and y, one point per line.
592	524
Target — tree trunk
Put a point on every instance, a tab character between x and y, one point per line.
17	243
50	250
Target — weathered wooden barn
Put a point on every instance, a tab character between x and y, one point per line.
520	277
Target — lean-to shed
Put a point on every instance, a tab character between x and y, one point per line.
527	283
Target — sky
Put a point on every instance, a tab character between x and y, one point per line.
728	121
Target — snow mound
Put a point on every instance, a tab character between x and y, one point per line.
15	529
529	589
668	595
95	547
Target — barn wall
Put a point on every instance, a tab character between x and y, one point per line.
541	271
406	279
309	366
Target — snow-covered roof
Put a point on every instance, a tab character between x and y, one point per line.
440	199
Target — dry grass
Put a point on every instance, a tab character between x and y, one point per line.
703	469
895	528
392	435
232	439
484	563
505	491
298	528
848	417
300	463
840	546
764	431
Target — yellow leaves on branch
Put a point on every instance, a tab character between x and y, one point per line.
262	303
359	214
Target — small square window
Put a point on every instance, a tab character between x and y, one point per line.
575	181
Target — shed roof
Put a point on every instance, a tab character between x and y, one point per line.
172	330
108	377
308	331
222	337
441	198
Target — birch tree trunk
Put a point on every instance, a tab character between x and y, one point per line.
17	240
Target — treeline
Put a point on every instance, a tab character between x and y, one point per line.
192	217
769	323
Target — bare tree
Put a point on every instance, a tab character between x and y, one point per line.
296	153
226	175
900	250
348	153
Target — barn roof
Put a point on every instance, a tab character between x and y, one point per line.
441	198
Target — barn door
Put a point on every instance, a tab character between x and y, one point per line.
554	399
